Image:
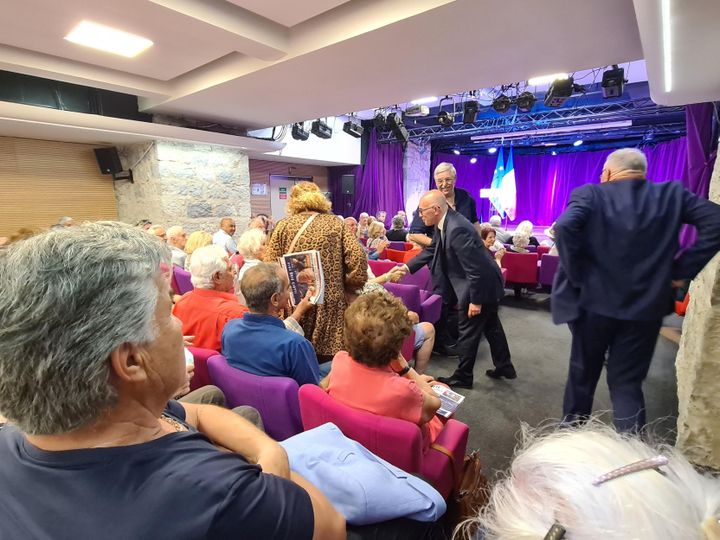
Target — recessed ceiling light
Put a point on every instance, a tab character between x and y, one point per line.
547	79
108	39
424	100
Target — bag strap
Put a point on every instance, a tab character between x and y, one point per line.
457	475
302	230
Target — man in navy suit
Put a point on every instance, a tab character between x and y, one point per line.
617	243
464	274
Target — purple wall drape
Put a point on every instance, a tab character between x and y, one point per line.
378	183
544	182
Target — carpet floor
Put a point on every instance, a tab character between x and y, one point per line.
495	409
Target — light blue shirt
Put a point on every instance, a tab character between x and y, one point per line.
363	487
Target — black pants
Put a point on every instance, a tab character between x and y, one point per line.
631	345
470	330
446	328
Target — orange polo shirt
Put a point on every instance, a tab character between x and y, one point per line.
204	313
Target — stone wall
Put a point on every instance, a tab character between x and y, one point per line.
193	185
698	363
416	168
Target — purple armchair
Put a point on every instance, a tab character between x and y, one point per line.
424	303
399	246
548	267
276	398
421	278
182	280
201	377
397	441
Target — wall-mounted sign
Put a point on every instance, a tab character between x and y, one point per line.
282	193
258	189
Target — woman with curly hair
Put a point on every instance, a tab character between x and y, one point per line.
343	260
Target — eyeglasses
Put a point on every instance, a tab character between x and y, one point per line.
443	181
422	210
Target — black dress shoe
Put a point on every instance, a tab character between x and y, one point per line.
455	382
508	373
442	350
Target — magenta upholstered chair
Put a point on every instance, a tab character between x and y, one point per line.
408	347
201	376
276	398
548	267
421	278
426	305
380	267
182	279
521	267
542	250
397	441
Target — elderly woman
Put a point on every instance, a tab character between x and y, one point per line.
343	261
376	236
592	482
487	234
526	227
372	375
398	233
251	246
520	242
196	240
91	358
363	222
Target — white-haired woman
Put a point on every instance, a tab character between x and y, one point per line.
526	227
363	222
376	236
251	246
91	358
520	242
592	482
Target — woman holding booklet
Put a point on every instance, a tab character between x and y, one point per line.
310	227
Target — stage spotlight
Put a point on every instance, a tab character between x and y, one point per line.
456	152
321	129
525	101
492	150
559	92
379	121
553	153
473	160
501	104
578	142
396	125
613	82
470	110
299	133
445	119
353	128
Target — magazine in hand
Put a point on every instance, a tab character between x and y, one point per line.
304	270
449	400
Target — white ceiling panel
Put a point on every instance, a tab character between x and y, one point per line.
288	13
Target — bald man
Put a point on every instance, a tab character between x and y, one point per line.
464	274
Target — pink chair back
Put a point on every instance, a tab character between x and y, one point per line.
276	398
409	294
182	279
397	441
542	250
521	267
201	377
421	278
380	267
395	255
398	246
548	267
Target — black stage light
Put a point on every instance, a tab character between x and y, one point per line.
396	125
613	82
445	119
501	103
299	133
525	101
559	92
353	128
379	121
470	110
321	129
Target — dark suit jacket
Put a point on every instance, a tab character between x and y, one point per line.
617	243
461	268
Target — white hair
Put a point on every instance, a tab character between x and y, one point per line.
376	229
445	166
495	221
627	159
551	481
205	263
65	220
364	215
520	240
68	298
175	230
250	243
524	227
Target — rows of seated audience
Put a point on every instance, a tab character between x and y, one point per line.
93	361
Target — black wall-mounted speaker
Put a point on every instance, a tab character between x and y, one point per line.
348	184
108	160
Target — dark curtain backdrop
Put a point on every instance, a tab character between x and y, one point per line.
378	183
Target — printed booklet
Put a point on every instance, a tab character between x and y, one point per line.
304	270
449	400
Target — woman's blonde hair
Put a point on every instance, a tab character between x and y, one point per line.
307	197
197	240
376	229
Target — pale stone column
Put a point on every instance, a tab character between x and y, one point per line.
698	363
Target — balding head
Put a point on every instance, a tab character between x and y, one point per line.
624	164
227	224
263	286
433	206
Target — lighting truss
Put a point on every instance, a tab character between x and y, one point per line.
535	120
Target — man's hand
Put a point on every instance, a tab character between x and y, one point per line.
395	274
473	310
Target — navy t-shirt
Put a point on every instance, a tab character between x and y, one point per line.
176	487
464	205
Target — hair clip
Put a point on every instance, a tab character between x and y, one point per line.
643	465
556	532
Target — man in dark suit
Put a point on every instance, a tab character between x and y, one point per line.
464	274
617	243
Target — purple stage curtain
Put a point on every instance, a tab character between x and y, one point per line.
378	183
545	182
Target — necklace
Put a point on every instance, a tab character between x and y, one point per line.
174	423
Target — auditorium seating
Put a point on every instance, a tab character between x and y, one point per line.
548	267
421	278
522	270
201	377
397	246
398	441
542	250
276	398
380	267
424	303
182	280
